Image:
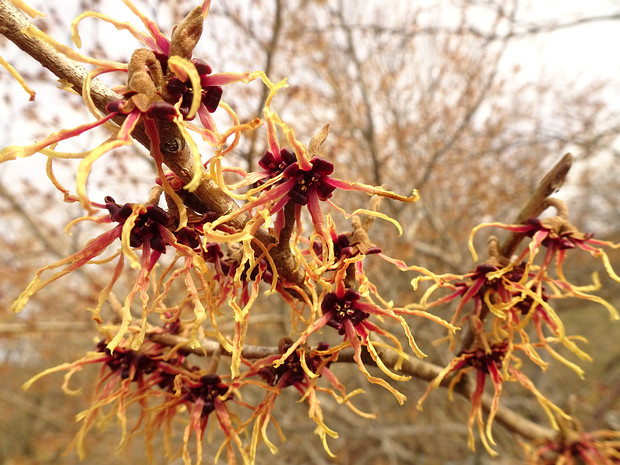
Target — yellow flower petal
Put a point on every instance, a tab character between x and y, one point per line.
17	77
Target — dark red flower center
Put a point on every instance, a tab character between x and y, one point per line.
291	371
208	389
275	166
146	226
343	247
342	309
211	95
481	360
314	180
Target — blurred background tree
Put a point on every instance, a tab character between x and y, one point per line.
432	95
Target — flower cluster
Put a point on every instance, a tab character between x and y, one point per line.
512	299
302	370
296	178
159	381
577	447
497	361
221	257
163	83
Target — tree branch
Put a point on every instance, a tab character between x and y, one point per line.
369	131
270	51
22	327
12	26
177	154
550	184
415	367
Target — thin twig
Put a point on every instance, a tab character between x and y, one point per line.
550	184
22	327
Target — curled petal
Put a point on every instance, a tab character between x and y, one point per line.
93	248
32	31
17	77
119	25
193	184
162	45
185	70
222	79
12	152
373	190
30	11
123	138
357	350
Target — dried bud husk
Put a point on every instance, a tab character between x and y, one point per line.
187	34
139	79
317	140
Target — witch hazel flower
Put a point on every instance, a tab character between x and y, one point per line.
495	360
150	73
345	245
126	377
297	177
147	227
177	77
303	369
553	238
143	227
522	291
576	447
346	250
204	399
125	216
514	297
486	364
344	310
489	287
529	308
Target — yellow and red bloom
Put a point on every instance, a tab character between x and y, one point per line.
302	369
578	447
494	359
297	177
158	379
554	237
163	82
344	310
